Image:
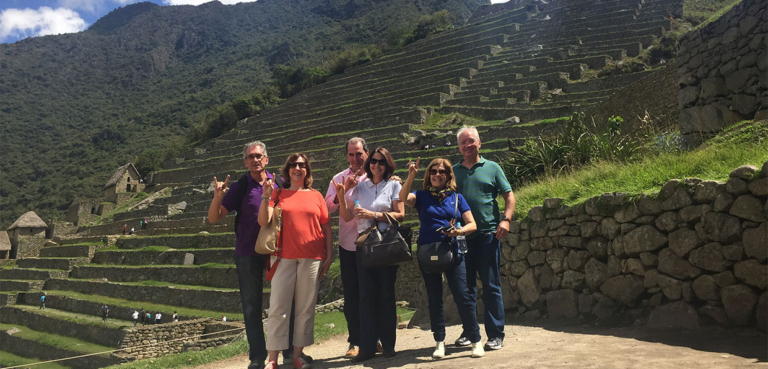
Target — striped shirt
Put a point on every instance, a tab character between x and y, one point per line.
480	186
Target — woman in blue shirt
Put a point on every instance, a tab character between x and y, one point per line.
436	204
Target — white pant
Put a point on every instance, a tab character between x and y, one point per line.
295	280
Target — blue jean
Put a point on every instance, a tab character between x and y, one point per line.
351	283
467	304
250	274
482	259
378	313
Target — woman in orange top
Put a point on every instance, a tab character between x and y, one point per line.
304	258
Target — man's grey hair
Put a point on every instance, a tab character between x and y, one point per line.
254	143
355	140
471	129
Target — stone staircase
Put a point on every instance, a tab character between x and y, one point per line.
526	62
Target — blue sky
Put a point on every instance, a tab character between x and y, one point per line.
20	19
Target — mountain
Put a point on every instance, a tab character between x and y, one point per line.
74	107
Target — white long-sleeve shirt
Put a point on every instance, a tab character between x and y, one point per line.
347	230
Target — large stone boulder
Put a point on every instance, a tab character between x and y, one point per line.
706	288
683	240
573	280
598	248
555	258
595	273
706	119
707	192
708	257
748	207
752	273
624	288
720	227
679	314
529	288
675	266
679	199
739	302
672	288
643	239
562	304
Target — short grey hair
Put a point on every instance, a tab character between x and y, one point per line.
254	143
471	129
355	140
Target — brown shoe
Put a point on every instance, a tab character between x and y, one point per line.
379	347
352	352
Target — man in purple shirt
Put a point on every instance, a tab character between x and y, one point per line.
250	265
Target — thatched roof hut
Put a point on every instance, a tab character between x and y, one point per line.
5	241
28	220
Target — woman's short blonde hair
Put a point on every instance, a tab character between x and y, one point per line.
286	170
450	182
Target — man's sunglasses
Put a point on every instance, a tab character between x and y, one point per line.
301	164
382	162
255	156
435	172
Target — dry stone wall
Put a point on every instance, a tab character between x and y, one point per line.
695	253
655	94
723	71
160	340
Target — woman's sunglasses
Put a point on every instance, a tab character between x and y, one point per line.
382	162
434	172
293	164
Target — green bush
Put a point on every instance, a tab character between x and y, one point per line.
431	24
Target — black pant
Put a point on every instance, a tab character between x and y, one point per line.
378	313
349	278
250	275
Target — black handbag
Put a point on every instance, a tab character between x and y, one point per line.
385	248
437	257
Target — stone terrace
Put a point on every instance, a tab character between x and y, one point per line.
526	62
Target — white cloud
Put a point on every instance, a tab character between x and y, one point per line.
21	23
198	2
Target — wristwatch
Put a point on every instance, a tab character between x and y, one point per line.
503	218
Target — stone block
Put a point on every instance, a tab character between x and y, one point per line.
649	259
733	252
706	288
736	186
609	228
717	313
536	213
720	227
730	35
571	242
675	266
668	221
752	273
605	308
529	288
562	304
708	257
585	303
545	275
588	229
712	87
723	203
519	268
758	187
577	259
556	258
520	252
682	241
553	203
748	207
634	266
627	214
677	314
748	24
678	200
643	239
573	280
739	302
756	242
649	206
595	273
694	212
706	119
688	95
737	81
598	248
729	67
746	172
623	288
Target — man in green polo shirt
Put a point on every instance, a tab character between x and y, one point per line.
481	181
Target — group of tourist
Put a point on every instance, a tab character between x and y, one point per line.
455	202
146	317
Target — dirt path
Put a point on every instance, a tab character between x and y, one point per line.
561	347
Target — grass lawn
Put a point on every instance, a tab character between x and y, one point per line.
744	143
8	359
55	340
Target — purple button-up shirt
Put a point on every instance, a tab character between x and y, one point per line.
248	230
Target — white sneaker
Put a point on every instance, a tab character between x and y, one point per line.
477	350
439	350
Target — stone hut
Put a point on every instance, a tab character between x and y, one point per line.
27	234
123	184
5	245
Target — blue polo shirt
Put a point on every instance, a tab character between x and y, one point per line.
481	185
433	214
248	230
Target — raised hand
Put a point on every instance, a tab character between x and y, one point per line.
413	168
220	188
350	183
269	186
340	188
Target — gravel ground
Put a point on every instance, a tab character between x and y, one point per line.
572	346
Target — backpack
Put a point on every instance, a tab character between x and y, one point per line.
242	186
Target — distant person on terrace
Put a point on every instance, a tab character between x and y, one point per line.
481	181
377	195
304	255
440	206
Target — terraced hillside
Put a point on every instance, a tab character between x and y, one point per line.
526	61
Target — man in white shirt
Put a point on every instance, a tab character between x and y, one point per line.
158	317
357	152
135	317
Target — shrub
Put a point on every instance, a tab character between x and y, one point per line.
431	24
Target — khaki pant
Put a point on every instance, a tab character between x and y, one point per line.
295	280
